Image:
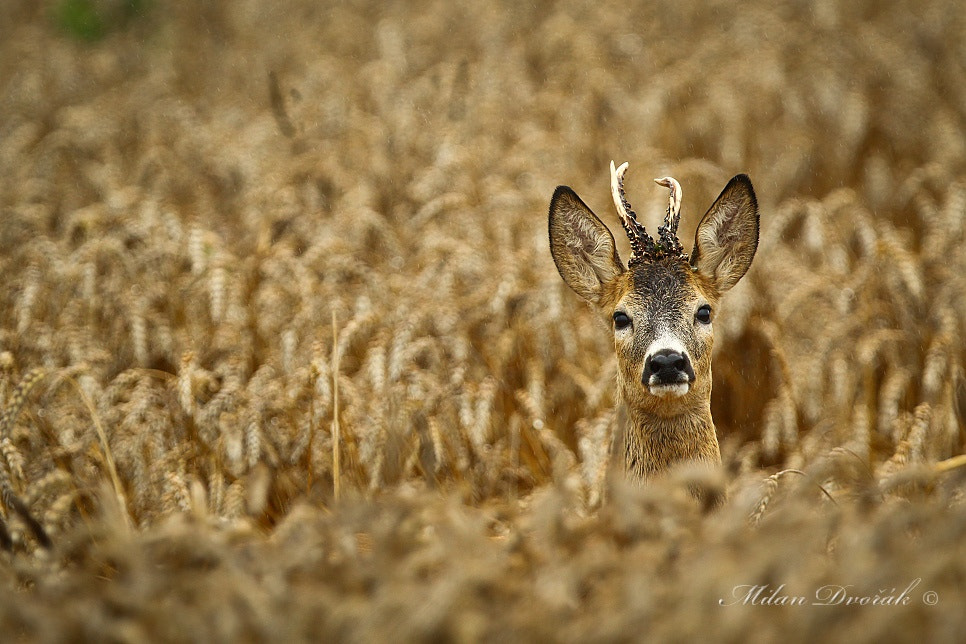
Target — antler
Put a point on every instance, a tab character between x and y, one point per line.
641	242
643	246
673	216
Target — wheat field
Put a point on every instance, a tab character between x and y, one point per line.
284	355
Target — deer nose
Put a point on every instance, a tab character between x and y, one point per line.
667	367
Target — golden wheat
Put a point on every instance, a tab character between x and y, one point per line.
190	199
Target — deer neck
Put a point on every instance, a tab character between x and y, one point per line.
655	443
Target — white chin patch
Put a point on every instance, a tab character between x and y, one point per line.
677	389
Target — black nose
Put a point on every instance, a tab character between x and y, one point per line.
667	367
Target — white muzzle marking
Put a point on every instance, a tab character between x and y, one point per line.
675	390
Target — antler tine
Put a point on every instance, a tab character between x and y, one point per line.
617	191
673	216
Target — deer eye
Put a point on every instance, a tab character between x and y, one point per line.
704	314
621	320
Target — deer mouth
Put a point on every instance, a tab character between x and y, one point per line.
669	389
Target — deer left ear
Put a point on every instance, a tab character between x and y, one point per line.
727	237
582	247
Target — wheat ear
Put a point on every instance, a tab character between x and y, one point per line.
9	498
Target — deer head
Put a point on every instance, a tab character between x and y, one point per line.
662	306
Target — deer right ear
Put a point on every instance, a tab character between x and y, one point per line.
727	237
582	247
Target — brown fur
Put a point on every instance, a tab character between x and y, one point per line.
661	297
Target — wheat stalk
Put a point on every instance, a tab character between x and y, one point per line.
336	428
116	485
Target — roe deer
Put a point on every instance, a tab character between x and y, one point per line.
662	307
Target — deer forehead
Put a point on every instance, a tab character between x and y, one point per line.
663	290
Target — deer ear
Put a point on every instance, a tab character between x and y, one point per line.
582	247
727	237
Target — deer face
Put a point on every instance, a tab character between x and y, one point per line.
661	308
662	326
